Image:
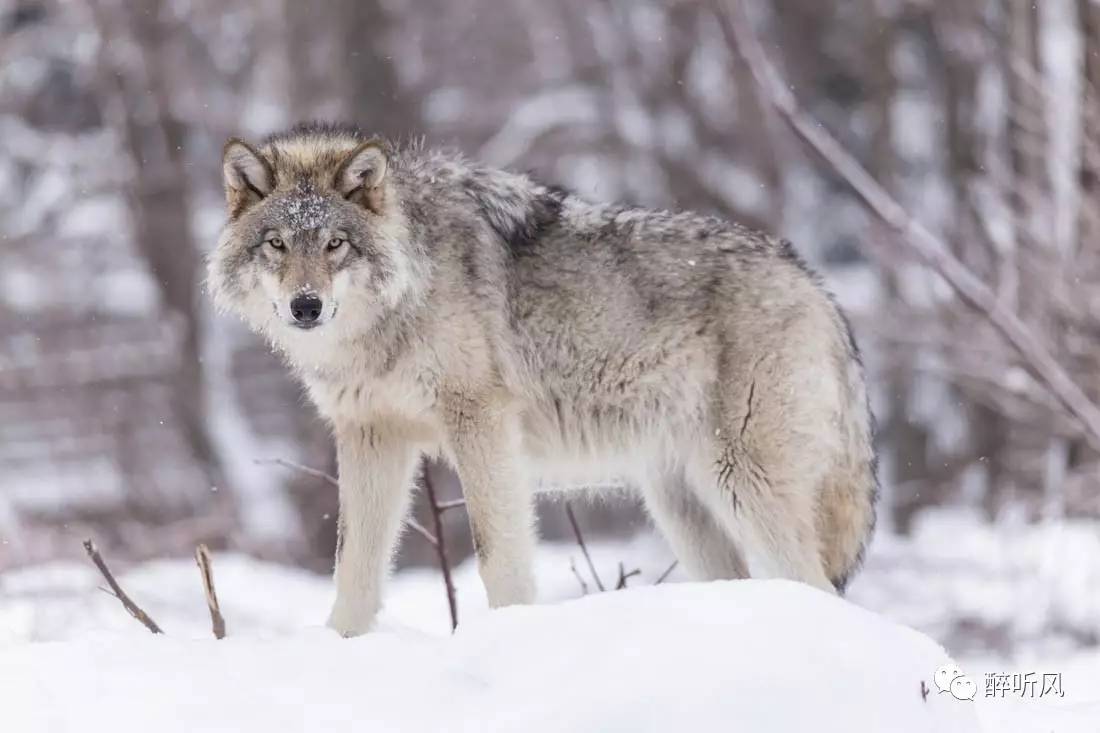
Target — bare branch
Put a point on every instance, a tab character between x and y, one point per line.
316	473
440	546
664	576
421	530
206	572
577	575
329	478
132	608
625	576
929	248
584	547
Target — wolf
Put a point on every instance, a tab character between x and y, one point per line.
435	306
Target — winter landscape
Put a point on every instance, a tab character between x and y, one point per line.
937	163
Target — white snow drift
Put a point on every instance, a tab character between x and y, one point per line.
748	655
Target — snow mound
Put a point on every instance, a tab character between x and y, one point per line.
745	655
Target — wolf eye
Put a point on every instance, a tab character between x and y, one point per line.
275	243
336	243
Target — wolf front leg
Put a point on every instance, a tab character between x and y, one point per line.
376	465
499	503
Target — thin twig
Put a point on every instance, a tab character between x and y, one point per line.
584	547
206	573
132	608
423	531
440	546
316	473
664	576
577	575
935	253
625	576
452	504
328	477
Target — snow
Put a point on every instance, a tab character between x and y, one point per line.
750	655
60	601
755	655
958	578
303	211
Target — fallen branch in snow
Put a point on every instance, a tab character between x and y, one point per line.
584	547
933	251
116	590
625	576
206	572
664	576
440	547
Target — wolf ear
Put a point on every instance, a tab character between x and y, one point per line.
362	172
248	176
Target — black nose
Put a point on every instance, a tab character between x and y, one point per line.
306	308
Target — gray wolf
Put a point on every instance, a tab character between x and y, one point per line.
432	305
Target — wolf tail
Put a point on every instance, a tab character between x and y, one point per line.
849	493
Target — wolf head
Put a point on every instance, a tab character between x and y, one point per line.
315	237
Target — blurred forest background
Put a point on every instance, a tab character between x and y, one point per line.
129	411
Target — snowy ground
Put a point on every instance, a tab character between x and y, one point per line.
694	657
676	657
979	588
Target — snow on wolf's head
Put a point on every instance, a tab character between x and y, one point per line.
315	241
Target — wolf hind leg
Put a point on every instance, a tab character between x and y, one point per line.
697	540
768	508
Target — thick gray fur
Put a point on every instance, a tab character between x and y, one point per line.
531	337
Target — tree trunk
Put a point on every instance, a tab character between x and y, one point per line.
160	209
1088	14
348	74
